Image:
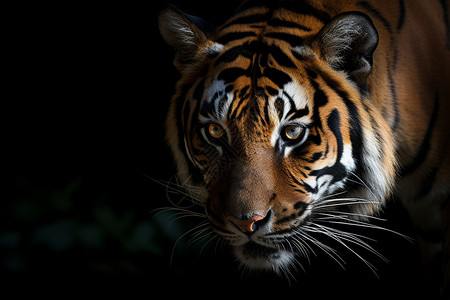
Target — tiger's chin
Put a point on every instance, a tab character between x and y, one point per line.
254	256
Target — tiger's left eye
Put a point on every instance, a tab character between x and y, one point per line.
292	132
215	130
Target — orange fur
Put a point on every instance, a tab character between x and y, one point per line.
396	105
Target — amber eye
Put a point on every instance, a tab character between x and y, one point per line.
292	132
215	130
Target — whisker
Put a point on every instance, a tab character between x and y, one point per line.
203	224
297	263
304	248
178	216
348	201
178	210
214	235
352	215
356	223
332	195
326	220
219	241
364	184
326	249
194	193
199	235
326	230
354	238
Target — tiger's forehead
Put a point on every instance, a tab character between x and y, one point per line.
222	98
255	72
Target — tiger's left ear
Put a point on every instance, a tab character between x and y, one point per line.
187	34
347	43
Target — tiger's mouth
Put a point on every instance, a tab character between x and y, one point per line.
257	256
264	247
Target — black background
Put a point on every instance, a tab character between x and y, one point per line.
87	88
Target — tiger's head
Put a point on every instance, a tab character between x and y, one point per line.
272	128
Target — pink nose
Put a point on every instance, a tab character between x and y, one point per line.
245	225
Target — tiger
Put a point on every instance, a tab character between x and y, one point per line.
292	111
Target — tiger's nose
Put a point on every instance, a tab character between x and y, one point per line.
248	225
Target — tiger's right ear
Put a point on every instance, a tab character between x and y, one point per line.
187	34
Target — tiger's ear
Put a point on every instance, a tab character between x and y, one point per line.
347	43
187	34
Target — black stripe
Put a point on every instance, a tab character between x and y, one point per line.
231	74
300	205
279	107
281	58
445	10
271	91
275	22
234	36
251	19
278	77
224	99
293	40
305	186
320	99
266	114
243	110
299	113
356	133
229	55
206	108
255	112
243	92
296	181
237	96
286	219
400	24
292	106
422	153
311	74
315	157
394	101
401	17
394	64
334	123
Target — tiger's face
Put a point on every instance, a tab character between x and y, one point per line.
270	135
272	150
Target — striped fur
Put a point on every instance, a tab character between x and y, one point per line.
364	82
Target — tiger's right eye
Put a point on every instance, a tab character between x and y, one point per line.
215	130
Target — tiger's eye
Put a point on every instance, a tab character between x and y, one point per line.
292	132
215	130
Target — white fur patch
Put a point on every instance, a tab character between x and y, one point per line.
375	173
291	94
347	159
275	261
296	92
215	48
216	92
